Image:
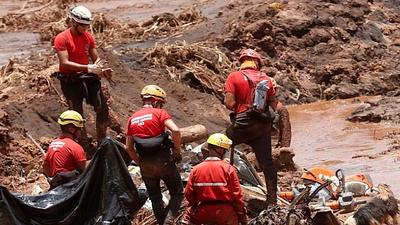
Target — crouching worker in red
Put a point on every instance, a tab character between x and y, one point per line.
65	159
213	189
149	146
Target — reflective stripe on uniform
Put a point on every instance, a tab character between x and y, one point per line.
209	184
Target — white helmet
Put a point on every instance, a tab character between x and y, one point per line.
81	14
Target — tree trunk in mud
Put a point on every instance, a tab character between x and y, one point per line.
193	133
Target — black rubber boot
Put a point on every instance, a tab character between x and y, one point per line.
271	181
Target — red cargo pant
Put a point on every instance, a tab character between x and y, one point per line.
216	214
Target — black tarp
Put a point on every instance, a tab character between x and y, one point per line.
103	194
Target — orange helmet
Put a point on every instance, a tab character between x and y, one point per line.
315	174
251	54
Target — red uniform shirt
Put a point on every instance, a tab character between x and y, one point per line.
147	122
238	85
214	180
77	46
63	155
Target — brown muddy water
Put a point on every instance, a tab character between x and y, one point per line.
323	137
18	44
139	10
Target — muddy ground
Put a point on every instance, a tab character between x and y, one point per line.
316	50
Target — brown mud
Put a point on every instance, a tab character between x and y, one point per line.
323	137
315	50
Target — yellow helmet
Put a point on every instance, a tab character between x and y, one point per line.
220	140
71	117
155	92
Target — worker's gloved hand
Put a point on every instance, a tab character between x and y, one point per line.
96	69
107	73
177	157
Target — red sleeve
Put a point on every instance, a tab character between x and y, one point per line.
236	191
92	42
128	131
78	153
189	192
164	116
230	84
60	43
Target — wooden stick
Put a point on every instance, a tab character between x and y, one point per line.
6	68
34	9
34	142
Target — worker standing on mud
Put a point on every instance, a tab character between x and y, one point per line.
65	159
80	79
249	92
213	189
281	123
150	146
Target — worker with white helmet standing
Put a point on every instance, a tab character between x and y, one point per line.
79	78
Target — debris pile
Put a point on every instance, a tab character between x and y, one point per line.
202	66
282	216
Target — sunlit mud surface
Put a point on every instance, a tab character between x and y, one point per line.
323	137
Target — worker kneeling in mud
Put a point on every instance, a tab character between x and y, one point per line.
149	145
65	159
213	189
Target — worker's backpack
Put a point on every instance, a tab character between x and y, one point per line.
153	147
257	104
259	87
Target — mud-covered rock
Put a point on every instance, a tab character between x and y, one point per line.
387	109
316	36
260	28
282	157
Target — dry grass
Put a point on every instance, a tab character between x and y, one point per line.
202	65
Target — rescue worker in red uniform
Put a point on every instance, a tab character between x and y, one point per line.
250	126
149	145
65	159
79	79
213	189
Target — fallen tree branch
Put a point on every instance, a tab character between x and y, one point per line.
32	9
35	143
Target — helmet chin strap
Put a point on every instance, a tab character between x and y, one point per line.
74	136
154	103
220	155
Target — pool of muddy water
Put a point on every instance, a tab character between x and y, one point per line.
18	44
323	137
